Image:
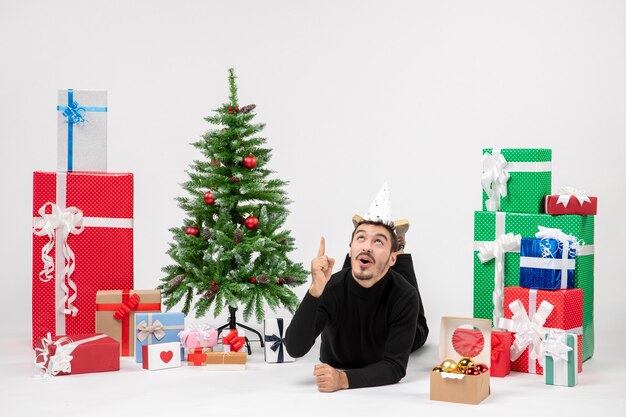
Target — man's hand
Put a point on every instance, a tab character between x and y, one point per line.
321	270
329	379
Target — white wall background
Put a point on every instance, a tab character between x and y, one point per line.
354	93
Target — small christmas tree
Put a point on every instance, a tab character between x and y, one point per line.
231	250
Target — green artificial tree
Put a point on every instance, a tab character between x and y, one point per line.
231	251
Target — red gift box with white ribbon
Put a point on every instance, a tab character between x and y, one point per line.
571	201
82	243
531	313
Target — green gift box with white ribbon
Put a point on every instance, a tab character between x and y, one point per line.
560	351
516	180
497	233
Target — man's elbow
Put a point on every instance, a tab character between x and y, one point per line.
295	351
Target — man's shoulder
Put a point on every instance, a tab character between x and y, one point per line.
400	287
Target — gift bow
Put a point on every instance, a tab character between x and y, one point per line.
494	178
555	345
66	221
567	193
568	243
61	361
496	250
74	113
146	330
528	332
126	306
496	348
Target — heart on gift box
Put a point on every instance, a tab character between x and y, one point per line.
167	356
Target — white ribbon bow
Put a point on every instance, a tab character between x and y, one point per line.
65	221
145	330
494	178
567	242
496	250
528	333
568	192
555	345
61	361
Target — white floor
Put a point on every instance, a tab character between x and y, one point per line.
288	390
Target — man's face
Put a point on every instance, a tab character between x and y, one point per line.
370	253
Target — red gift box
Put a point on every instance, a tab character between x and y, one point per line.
82	243
77	354
500	353
566	315
572	203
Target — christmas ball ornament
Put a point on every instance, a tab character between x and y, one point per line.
230	110
192	231
208	198
280	281
464	363
262	279
206	233
251	222
472	370
248	108
234	179
438	369
249	161
253	280
482	367
213	283
238	235
237	109
448	365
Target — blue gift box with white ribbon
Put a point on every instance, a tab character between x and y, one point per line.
156	328
547	264
82	131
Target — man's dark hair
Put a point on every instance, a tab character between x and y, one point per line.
390	228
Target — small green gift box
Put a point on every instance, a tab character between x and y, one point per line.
516	180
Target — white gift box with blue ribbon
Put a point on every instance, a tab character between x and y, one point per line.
82	131
275	350
548	261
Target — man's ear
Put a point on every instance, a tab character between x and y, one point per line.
392	259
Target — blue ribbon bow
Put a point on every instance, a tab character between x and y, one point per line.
74	113
278	342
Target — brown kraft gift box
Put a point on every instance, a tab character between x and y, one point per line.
115	314
460	388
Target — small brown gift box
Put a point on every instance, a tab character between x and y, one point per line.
115	314
226	361
461	388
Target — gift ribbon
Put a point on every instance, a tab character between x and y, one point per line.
203	334
497	349
559	358
197	358
61	361
74	114
44	224
61	222
568	245
496	250
494	178
528	328
156	328
125	319
278	342
233	339
567	193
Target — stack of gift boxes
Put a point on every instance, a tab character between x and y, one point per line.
533	266
85	312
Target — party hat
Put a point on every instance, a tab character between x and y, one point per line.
380	210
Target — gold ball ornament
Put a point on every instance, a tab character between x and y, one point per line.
438	369
448	365
464	363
